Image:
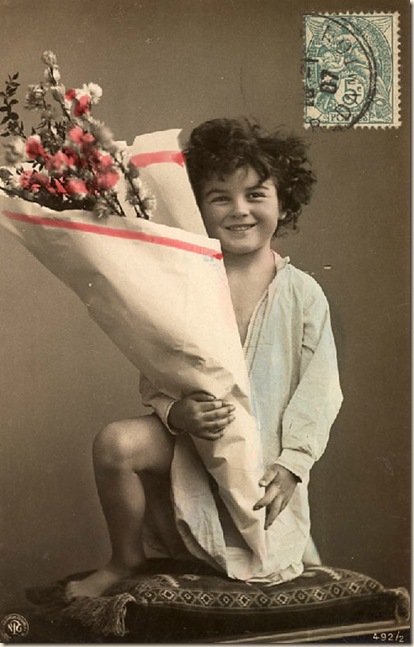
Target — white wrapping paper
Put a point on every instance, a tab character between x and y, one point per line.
161	295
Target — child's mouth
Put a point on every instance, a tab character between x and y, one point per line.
240	227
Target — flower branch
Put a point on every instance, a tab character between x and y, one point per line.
70	160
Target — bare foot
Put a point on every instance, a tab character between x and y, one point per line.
95	584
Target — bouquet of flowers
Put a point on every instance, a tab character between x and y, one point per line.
70	160
62	190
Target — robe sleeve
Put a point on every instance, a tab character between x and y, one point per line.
159	402
317	398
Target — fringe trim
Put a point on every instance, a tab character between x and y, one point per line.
402	608
104	615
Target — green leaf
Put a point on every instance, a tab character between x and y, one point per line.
7	134
13	116
15	76
13	102
3	109
4	120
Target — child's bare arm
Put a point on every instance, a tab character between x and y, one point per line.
280	483
201	415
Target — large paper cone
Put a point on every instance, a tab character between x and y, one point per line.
161	295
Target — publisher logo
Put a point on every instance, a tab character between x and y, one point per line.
14	626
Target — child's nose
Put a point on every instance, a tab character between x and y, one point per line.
240	207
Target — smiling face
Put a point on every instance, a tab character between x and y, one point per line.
241	211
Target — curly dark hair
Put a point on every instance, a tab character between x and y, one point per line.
221	146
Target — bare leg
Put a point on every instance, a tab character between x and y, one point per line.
122	451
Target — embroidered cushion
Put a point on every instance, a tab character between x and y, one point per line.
185	602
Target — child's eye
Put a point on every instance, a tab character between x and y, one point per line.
220	198
256	194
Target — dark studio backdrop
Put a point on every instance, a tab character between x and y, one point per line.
172	64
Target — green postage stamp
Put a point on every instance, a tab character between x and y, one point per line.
351	70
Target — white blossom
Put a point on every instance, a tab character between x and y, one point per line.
58	92
150	204
52	74
101	209
14	150
13	184
102	133
35	96
133	171
92	90
49	58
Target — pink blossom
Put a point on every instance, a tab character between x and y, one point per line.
58	162
60	188
102	163
87	145
82	101
33	180
71	156
70	94
106	162
82	106
88	139
25	179
76	134
76	187
82	138
40	181
106	181
34	148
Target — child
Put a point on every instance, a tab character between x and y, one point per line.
248	185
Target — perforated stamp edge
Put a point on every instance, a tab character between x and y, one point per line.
330	87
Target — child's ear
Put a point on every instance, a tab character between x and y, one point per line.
282	211
282	216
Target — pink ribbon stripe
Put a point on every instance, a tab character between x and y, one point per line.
115	233
158	157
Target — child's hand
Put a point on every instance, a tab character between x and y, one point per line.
280	484
201	415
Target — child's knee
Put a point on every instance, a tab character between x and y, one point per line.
115	444
108	445
139	444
